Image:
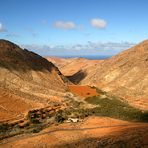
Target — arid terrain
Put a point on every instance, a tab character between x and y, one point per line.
76	102
92	132
124	75
26	80
76	69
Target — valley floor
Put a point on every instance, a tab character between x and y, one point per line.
92	132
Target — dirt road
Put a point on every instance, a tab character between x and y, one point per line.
79	133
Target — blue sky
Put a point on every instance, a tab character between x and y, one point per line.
77	27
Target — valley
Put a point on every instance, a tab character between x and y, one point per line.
124	75
72	102
73	73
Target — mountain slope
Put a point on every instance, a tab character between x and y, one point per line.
76	69
125	75
28	77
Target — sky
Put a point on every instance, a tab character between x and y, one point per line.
74	27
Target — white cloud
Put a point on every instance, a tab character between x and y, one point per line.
64	25
98	23
2	28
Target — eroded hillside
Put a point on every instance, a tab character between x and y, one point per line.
27	80
124	75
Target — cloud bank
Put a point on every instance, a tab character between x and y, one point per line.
90	48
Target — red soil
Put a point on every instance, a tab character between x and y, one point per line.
83	91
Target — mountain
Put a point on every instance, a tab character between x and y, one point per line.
27	80
36	100
75	69
124	75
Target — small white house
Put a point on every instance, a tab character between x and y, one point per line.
74	120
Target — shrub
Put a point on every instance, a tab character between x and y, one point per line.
4	127
60	116
113	107
37	129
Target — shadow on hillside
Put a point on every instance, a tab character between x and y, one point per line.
15	58
77	77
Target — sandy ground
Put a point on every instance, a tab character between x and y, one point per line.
13	107
92	132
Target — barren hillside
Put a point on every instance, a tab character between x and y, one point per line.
124	75
75	69
26	79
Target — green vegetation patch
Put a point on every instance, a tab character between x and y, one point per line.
113	107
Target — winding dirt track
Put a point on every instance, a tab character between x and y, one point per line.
66	130
57	131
